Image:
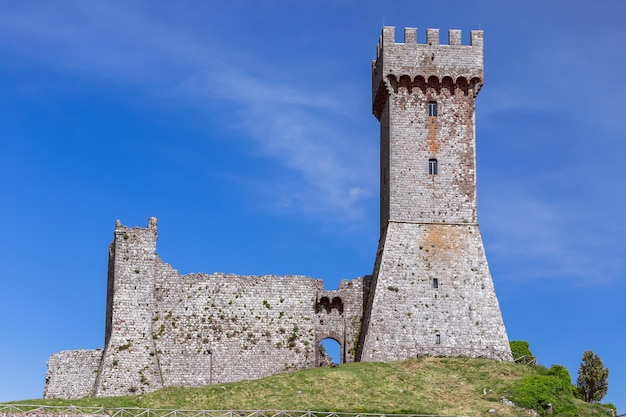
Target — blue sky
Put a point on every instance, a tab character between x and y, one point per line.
246	128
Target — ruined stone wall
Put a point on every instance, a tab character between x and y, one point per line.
339	316
219	328
129	364
166	329
72	373
224	328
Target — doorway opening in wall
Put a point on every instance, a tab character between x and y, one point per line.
329	352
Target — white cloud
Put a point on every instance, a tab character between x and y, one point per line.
534	237
290	125
304	131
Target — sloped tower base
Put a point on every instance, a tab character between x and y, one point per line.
432	295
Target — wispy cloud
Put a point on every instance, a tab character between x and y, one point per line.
553	113
537	238
304	131
289	125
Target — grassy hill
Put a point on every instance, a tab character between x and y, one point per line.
444	386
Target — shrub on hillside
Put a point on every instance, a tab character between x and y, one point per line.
562	373
537	392
521	351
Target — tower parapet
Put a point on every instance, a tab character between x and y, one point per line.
452	65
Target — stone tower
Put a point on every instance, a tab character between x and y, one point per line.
432	292
129	364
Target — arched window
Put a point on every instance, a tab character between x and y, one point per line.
337	305
323	305
432	108
432	167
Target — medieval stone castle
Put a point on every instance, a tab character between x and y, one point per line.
430	292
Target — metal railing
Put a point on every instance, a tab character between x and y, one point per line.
66	411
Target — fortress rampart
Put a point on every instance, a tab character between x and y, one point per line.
430	292
166	329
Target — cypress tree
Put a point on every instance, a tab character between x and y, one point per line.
593	377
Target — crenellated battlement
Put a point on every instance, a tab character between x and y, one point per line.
388	37
452	66
431	58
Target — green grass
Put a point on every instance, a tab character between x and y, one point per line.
445	386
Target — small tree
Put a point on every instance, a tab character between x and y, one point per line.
593	378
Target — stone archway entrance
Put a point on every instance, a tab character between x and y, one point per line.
334	347
329	352
330	328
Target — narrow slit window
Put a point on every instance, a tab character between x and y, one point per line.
435	282
437	339
432	167
432	108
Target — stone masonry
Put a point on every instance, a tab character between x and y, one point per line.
166	329
430	293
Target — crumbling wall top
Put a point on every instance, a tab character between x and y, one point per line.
152	224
